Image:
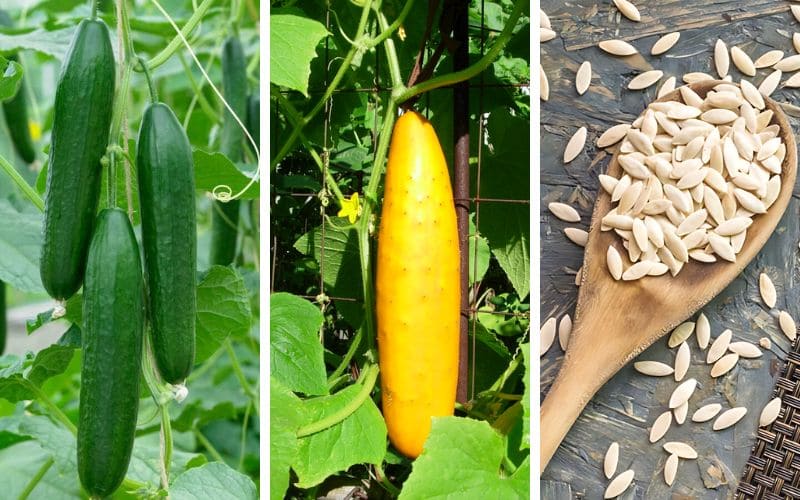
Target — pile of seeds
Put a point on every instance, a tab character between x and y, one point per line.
694	174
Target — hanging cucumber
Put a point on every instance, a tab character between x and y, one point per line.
16	112
417	286
81	121
225	216
112	335
169	238
253	122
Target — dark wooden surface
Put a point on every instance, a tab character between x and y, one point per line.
626	407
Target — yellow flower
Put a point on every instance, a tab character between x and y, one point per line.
350	208
35	130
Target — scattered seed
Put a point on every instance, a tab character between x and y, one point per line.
765	342
577	236
707	412
745	349
620	483
768	59
671	469
665	43
653	368
564	331
547	335
743	62
719	347
788	326
544	21
584	77
770	412
564	212
703	331
788	64
767	289
611	459
721	59
729	418
682	361
666	87
770	83
752	94
681	412
724	365
796	12
546	34
681	449
682	393
618	47
613	135
681	333
696	76
646	79
544	85
575	145
614	262
628	10
638	270
660	426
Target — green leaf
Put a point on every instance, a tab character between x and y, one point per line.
223	310
479	255
10	78
20	246
49	362
54	439
14	386
215	169
526	397
462	455
296	355
145	463
358	439
285	416
339	260
293	42
52	43
507	225
74	307
213	481
20	462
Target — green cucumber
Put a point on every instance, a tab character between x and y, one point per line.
225	216
16	111
169	239
81	121
3	317
112	336
253	117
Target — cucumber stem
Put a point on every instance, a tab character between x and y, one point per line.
166	446
150	84
237	369
208	446
21	184
94	8
35	479
176	42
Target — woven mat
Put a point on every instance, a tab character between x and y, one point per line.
773	470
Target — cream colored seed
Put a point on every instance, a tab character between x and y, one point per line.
564	212
617	47
682	393
729	418
666	87
768	59
547	335
681	333
719	346
681	412
638	270
707	412
721	59
613	135
614	262
770	412
564	331
628	10
703	331
583	77
577	236
620	483
653	368
546	34
745	349
660	426
752	94
682	361
767	289
770	83
644	80
788	326
796	12
681	449
765	342
611	460
544	85
697	76
689	97
724	365
575	145
743	62
789	64
671	469
544	20
665	43
794	80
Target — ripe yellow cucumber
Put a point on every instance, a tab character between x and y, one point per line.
417	286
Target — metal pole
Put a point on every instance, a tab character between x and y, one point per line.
461	186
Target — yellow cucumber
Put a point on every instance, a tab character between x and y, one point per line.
417	286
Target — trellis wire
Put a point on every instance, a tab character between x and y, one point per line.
469	306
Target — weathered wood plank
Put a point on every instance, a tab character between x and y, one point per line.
626	407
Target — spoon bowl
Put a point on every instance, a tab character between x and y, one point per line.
616	320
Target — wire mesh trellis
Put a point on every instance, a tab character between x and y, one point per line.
467	182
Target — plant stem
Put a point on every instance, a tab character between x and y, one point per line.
54	410
393	490
166	447
369	375
351	351
237	369
94	9
176	42
198	90
387	32
391	54
289	144
243	443
27	190
208	446
480	65
150	84
35	479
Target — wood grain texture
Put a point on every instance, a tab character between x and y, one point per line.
625	408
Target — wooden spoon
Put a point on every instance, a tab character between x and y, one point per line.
616	320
